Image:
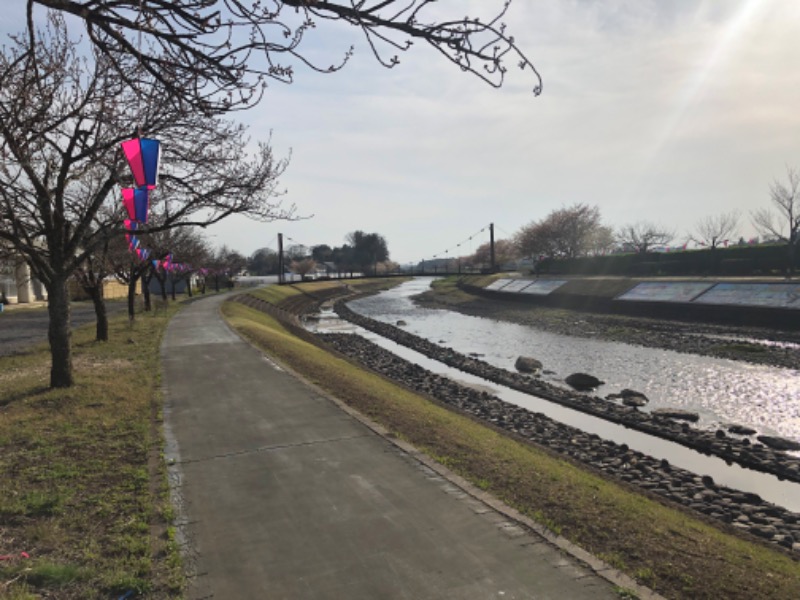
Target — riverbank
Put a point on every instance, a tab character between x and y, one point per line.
662	546
719	341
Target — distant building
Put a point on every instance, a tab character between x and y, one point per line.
17	285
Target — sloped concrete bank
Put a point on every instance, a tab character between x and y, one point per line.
573	296
732	448
743	511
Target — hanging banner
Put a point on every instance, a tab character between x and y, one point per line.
143	156
136	202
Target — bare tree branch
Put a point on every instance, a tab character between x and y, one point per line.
642	236
782	221
712	230
217	55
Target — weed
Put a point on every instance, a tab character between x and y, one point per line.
53	575
38	503
625	593
613	559
739	348
645	576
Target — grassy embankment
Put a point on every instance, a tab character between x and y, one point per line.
664	548
84	507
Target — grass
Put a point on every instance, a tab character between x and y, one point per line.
676	554
739	348
81	493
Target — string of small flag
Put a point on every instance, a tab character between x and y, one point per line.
144	157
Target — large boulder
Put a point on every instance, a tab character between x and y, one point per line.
778	443
676	413
630	398
583	382
526	364
740	429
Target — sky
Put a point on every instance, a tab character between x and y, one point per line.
666	112
654	111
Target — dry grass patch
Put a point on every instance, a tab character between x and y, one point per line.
77	494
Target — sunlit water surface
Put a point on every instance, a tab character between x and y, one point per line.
721	391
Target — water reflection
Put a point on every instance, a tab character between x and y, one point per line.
720	390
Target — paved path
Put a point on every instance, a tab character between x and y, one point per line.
285	495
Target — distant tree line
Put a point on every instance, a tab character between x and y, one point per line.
362	252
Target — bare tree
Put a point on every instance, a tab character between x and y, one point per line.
62	117
91	275
642	236
217	55
783	219
188	251
712	230
504	252
304	266
566	233
601	240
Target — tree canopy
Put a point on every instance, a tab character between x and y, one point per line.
369	249
565	233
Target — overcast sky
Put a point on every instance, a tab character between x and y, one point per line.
660	111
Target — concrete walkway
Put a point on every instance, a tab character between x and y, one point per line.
282	494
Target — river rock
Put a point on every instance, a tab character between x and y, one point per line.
778	443
401	323
637	401
630	398
740	429
582	381
526	364
676	413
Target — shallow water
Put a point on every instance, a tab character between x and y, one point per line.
721	391
783	493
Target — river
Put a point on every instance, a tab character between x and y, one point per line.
721	391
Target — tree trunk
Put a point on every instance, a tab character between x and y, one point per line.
96	294
189	286
146	293
172	281
162	283
59	333
216	283
132	298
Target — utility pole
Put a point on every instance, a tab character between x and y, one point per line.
280	259
491	246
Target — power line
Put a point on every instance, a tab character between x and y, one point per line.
464	241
